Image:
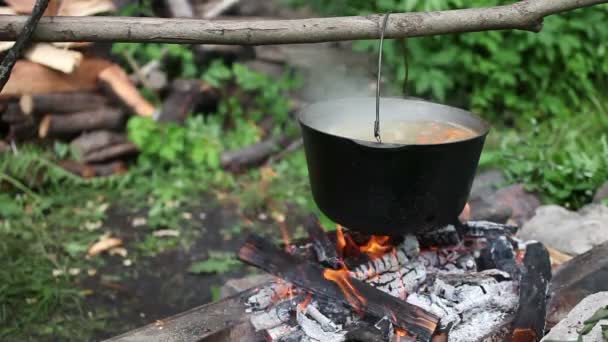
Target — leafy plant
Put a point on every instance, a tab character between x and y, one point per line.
504	75
218	262
195	144
565	161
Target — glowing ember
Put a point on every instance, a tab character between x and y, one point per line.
282	291
376	246
399	333
340	241
306	301
342	279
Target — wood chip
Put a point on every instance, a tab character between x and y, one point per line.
26	6
53	57
117	81
105	243
85	7
83	78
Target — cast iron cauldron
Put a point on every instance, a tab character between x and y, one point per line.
388	189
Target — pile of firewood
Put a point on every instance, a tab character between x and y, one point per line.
62	91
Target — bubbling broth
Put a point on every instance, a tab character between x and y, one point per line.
415	132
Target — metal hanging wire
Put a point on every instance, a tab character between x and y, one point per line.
377	122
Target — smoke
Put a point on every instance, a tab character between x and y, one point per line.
333	72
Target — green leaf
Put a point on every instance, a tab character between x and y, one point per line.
218	262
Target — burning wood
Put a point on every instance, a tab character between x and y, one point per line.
469	284
260	253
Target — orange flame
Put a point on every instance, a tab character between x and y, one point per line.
340	241
400	333
376	246
342	279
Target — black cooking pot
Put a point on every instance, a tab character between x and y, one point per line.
388	189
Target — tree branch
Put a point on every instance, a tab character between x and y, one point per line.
522	15
22	39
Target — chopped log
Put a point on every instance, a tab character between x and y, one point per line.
115	80
25	6
84	78
21	127
184	97
271	53
578	278
261	253
77	8
71	124
91	142
323	247
215	8
57	103
180	8
210	322
21	131
229	53
529	322
13	114
53	57
93	170
123	150
238	160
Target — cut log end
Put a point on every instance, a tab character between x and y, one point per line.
26	102
45	125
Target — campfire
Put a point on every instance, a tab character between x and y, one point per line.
465	282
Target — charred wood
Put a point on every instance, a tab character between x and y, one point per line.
214	321
323	247
529	323
71	124
57	103
578	278
262	254
238	160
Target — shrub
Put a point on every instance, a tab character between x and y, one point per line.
502	74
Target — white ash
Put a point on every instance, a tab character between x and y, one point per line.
444	281
275	334
318	327
480	307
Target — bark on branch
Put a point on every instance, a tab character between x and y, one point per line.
522	15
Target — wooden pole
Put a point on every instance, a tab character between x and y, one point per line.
522	15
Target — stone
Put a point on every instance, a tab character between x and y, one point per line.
237	285
490	200
601	194
522	203
568	231
486	183
583	275
568	329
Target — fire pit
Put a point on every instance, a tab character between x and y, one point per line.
462	283
467	282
